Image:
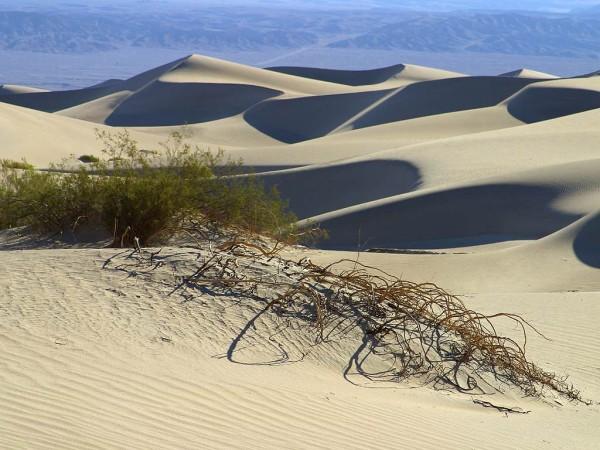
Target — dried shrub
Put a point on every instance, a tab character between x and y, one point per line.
421	331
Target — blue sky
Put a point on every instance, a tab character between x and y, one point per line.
545	5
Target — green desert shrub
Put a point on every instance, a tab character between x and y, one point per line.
11	164
89	159
134	193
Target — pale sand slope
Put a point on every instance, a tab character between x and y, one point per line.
10	89
347	143
56	137
91	358
44	138
528	73
392	76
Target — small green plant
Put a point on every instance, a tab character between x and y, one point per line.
139	195
11	164
88	159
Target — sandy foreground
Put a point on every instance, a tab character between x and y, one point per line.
492	180
94	359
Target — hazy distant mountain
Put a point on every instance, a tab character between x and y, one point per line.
73	33
589	10
243	28
519	33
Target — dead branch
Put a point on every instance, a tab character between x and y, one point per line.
423	331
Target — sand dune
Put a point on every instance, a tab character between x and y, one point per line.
563	261
54	138
458	158
525	206
10	89
393	75
298	119
366	141
528	73
316	189
192	90
203	69
494	180
52	101
186	92
164	104
57	100
97	110
557	98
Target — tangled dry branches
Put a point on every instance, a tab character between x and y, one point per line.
421	331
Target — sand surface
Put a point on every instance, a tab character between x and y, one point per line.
487	186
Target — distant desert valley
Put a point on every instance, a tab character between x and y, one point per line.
487	186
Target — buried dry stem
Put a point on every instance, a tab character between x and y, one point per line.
420	331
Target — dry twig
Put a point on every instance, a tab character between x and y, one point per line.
422	331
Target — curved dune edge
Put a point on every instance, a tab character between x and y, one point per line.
553	99
528	73
11	89
522	206
396	75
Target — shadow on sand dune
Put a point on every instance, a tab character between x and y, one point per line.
296	120
318	189
164	104
442	96
347	77
587	242
535	104
300	119
53	101
453	218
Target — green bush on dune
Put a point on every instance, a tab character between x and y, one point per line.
11	164
131	193
89	159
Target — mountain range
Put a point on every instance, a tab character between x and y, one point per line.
243	28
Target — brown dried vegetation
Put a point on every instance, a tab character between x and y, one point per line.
420	331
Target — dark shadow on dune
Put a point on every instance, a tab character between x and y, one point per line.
587	243
56	100
300	119
443	96
319	189
109	82
543	103
296	120
163	104
454	218
347	77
